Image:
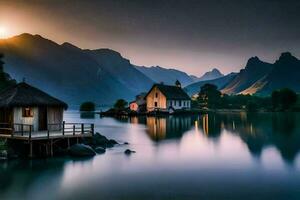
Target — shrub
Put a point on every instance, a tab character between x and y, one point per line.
88	106
120	104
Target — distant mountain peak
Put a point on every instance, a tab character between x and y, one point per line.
213	74
253	61
287	57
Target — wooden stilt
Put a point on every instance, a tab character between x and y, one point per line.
46	147
30	149
51	148
68	143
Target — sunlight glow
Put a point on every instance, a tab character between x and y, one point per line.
3	32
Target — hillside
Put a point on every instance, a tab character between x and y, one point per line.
254	71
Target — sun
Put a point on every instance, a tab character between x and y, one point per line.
3	32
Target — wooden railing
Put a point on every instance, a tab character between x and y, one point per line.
63	128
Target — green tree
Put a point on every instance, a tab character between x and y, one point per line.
210	95
120	104
88	106
5	79
283	99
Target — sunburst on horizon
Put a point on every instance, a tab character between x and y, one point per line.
3	32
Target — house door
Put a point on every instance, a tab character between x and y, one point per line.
43	119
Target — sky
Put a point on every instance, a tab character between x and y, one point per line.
190	35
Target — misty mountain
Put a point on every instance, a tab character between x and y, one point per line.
210	75
167	76
70	73
254	70
219	82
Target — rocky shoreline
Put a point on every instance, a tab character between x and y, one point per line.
87	148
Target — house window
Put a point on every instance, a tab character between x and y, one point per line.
183	103
155	104
27	112
156	95
179	103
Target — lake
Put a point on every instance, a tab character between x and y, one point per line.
213	156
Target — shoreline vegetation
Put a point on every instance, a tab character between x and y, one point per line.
210	99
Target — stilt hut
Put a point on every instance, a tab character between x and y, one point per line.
25	107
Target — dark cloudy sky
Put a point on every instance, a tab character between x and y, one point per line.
189	35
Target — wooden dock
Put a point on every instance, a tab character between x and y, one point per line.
64	133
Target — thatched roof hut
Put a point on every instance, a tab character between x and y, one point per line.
25	104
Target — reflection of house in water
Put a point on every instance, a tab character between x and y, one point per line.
211	125
160	128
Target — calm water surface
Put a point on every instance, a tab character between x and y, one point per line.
215	156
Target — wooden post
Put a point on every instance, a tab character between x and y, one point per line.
74	129
92	129
63	128
12	130
48	134
30	127
22	129
82	128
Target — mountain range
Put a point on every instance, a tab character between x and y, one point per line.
104	75
76	75
258	77
262	78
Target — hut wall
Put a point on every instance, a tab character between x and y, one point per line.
19	119
160	99
55	116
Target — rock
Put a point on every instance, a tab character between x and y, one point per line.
113	142
100	150
81	150
100	140
126	143
128	152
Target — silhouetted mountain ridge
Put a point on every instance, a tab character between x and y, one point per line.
262	78
168	76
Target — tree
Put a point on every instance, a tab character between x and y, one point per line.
87	106
210	95
120	104
275	99
5	79
283	99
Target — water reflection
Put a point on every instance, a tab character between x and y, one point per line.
160	128
87	115
257	131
